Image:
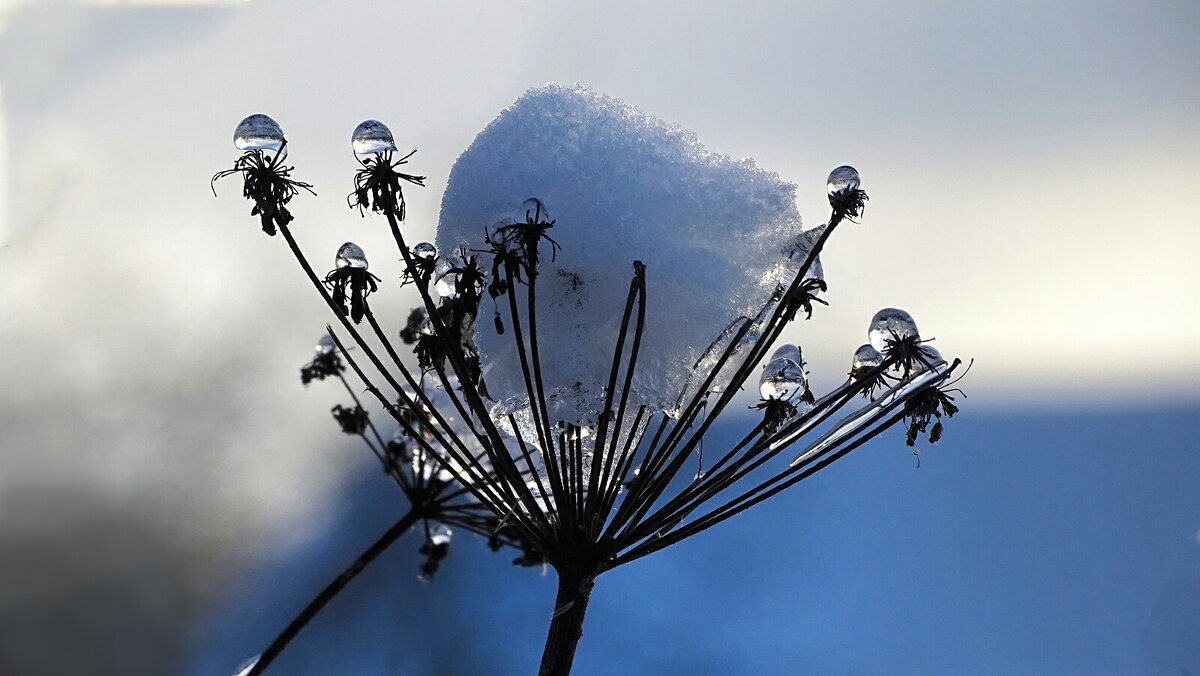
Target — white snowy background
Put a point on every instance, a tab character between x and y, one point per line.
1032	174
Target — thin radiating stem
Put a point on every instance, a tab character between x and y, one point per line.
331	590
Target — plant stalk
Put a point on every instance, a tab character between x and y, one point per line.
566	625
333	589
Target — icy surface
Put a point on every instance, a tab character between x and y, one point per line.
782	378
842	179
424	250
372	137
891	323
716	235
440	534
866	357
351	255
258	132
788	351
325	345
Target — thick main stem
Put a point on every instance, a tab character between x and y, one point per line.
566	626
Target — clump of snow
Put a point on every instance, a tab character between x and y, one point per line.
717	235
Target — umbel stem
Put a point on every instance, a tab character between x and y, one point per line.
310	611
588	507
566	625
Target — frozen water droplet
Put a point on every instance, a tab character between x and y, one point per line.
782	379
246	666
788	351
326	345
842	179
440	534
424	250
372	137
866	358
426	327
577	433
351	255
444	279
533	211
931	355
891	324
258	132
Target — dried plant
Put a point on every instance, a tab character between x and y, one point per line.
585	496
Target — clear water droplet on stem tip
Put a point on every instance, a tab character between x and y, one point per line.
788	351
424	250
931	355
351	255
372	137
842	179
440	534
532	210
866	357
891	323
325	345
782	379
444	279
258	132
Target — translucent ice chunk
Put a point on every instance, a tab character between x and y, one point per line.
788	351
843	179
444	280
866	357
782	378
258	132
424	250
351	255
440	534
372	137
716	235
533	211
862	418
930	355
891	324
325	345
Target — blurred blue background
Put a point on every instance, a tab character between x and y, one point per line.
1026	543
169	494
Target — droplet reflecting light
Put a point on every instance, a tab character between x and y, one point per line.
440	534
372	137
424	250
258	132
351	255
325	345
782	379
891	323
533	211
866	357
843	179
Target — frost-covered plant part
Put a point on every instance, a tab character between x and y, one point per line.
719	234
624	326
